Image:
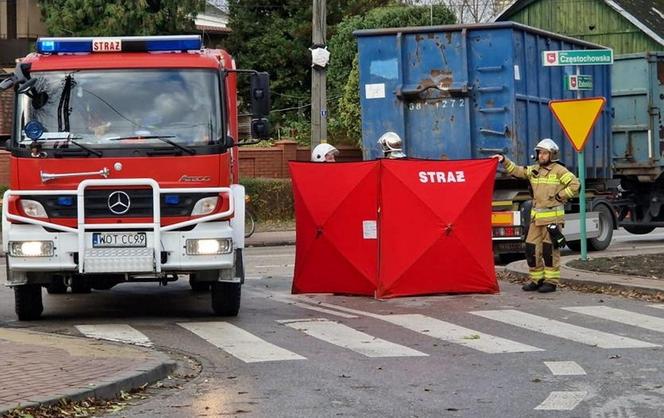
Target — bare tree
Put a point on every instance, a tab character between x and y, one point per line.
468	11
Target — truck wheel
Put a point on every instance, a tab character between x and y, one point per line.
605	229
80	285
197	285
57	286
226	298
574	245
639	229
28	299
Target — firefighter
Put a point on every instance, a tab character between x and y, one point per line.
552	185
324	153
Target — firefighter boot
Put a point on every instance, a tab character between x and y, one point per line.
547	287
532	286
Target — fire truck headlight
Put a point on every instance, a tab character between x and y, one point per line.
31	248
205	206
33	209
208	246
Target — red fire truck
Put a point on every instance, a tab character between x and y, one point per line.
124	168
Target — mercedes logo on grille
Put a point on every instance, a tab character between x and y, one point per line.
119	202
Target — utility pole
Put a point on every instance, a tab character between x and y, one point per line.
318	76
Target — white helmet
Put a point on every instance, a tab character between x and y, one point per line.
321	150
390	143
547	144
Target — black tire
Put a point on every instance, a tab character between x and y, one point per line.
28	299
249	224
57	286
602	242
198	286
226	298
574	245
80	285
639	229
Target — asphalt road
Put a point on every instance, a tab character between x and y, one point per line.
514	354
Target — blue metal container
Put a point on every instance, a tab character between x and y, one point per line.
638	100
470	91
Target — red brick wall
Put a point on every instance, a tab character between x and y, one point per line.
6	110
272	162
4	168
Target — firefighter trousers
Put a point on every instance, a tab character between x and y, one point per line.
543	259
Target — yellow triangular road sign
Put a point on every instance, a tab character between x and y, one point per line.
577	117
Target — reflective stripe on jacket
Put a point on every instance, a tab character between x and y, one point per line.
552	186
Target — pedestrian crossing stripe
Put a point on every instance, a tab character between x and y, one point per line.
456	334
562	401
344	336
622	316
565	368
239	343
562	329
121	333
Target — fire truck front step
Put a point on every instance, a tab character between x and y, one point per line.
118	260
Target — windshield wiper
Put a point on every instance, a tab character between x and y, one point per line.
63	105
70	140
163	138
88	149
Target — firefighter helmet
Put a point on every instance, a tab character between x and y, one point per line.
390	143
547	144
321	151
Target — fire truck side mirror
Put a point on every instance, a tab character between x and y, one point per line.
260	95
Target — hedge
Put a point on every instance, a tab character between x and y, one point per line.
271	199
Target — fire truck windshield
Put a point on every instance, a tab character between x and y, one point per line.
123	109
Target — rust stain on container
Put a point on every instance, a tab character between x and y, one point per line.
442	78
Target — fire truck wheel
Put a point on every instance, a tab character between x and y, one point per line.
57	286
226	298
197	285
28	300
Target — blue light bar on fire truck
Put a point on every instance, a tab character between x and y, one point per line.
119	44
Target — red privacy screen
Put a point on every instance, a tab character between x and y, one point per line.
391	228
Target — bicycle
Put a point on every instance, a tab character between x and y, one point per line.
249	219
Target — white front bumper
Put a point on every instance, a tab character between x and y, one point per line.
121	260
165	251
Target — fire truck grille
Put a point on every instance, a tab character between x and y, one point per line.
98	203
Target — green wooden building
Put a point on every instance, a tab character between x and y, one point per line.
626	26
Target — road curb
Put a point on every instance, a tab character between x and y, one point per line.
607	281
151	372
615	281
279	243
